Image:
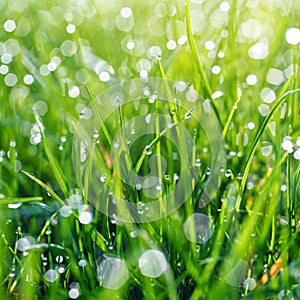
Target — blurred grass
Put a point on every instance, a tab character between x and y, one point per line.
260	230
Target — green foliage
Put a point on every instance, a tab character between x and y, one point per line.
56	57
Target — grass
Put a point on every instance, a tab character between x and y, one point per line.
155	154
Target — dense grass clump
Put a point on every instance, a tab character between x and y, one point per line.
149	149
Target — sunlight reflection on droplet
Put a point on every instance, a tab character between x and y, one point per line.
68	48
4	69
250	284
216	94
6	58
216	70
24	244
209	45
155	51
251	79
65	211
182	40
171	44
51	275
14	205
9	25
74	91
10	79
104	76
260	50
292	36
28	79
130	45
70	28
85	214
74	293
287	145
112	273
284	221
297	154
267	95
152	263
198	228
275	76
126	12
75	201
82	263
266	150
251	125
264	109
225	6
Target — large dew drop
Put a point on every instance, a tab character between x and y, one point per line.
51	275
198	228
152	263
85	214
112	273
23	244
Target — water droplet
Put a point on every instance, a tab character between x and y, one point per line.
250	284
148	119
153	97
14	205
82	263
297	154
266	150
51	275
74	293
197	163
228	173
187	115
85	214
24	244
292	36
61	269
75	201
65	211
285	294
284	221
260	50
198	228
59	258
71	28
9	25
176	176
152	263
112	273
68	48
287	145
134	234
132	131
148	150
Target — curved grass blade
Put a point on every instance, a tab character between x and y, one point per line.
282	97
45	187
196	56
58	173
6	201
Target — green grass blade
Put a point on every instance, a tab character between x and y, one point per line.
45	187
6	201
58	173
282	97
